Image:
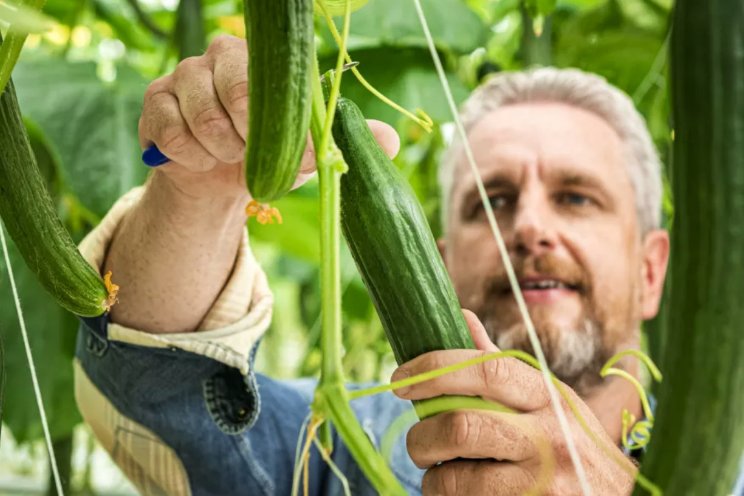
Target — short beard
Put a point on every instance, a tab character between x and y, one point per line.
575	356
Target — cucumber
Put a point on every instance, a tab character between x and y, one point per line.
393	247
28	213
698	435
280	55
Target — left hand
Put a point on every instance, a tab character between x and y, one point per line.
486	452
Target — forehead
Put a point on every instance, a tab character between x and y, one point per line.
558	139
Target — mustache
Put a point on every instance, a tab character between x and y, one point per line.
546	266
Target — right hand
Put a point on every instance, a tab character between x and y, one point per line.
198	117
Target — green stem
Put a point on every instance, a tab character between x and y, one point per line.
11	47
334	400
330	280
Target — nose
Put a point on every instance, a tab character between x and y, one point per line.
533	230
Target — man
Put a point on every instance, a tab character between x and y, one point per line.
574	181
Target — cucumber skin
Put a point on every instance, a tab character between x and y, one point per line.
280	53
393	247
698	435
28	213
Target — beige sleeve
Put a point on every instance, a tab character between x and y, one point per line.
238	318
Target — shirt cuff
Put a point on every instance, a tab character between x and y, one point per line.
235	323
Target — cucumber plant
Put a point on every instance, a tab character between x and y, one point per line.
698	436
28	213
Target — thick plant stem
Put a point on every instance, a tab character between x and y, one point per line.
336	405
698	435
330	272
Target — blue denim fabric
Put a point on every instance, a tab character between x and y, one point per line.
234	434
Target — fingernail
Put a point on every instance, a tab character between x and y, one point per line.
400	374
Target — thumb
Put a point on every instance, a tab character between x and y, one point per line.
478	332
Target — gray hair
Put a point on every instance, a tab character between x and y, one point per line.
580	89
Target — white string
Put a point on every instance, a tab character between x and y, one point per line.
32	368
560	414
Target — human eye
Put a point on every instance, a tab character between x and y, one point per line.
499	201
574	199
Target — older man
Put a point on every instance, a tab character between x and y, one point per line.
167	381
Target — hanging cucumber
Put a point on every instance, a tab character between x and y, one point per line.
393	247
280	55
28	213
698	436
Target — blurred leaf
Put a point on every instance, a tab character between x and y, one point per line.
24	19
125	28
92	124
540	8
623	56
395	23
52	333
47	158
413	84
299	234
338	7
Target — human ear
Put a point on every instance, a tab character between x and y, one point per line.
441	246
653	271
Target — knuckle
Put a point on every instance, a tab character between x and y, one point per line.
494	373
222	42
237	97
560	449
448	480
173	139
462	427
211	122
187	66
157	86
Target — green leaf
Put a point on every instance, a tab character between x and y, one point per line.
24	19
52	333
413	84
126	28
395	23
338	7
299	234
540	8
90	123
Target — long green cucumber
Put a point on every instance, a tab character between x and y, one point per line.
698	436
393	247
28	213
280	54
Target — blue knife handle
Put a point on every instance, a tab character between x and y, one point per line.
153	157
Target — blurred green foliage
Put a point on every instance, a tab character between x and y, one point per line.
81	85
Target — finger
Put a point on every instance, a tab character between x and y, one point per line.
465	477
162	123
308	164
478	332
386	136
203	111
472	434
229	59
505	380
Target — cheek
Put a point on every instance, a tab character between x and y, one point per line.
607	255
472	259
